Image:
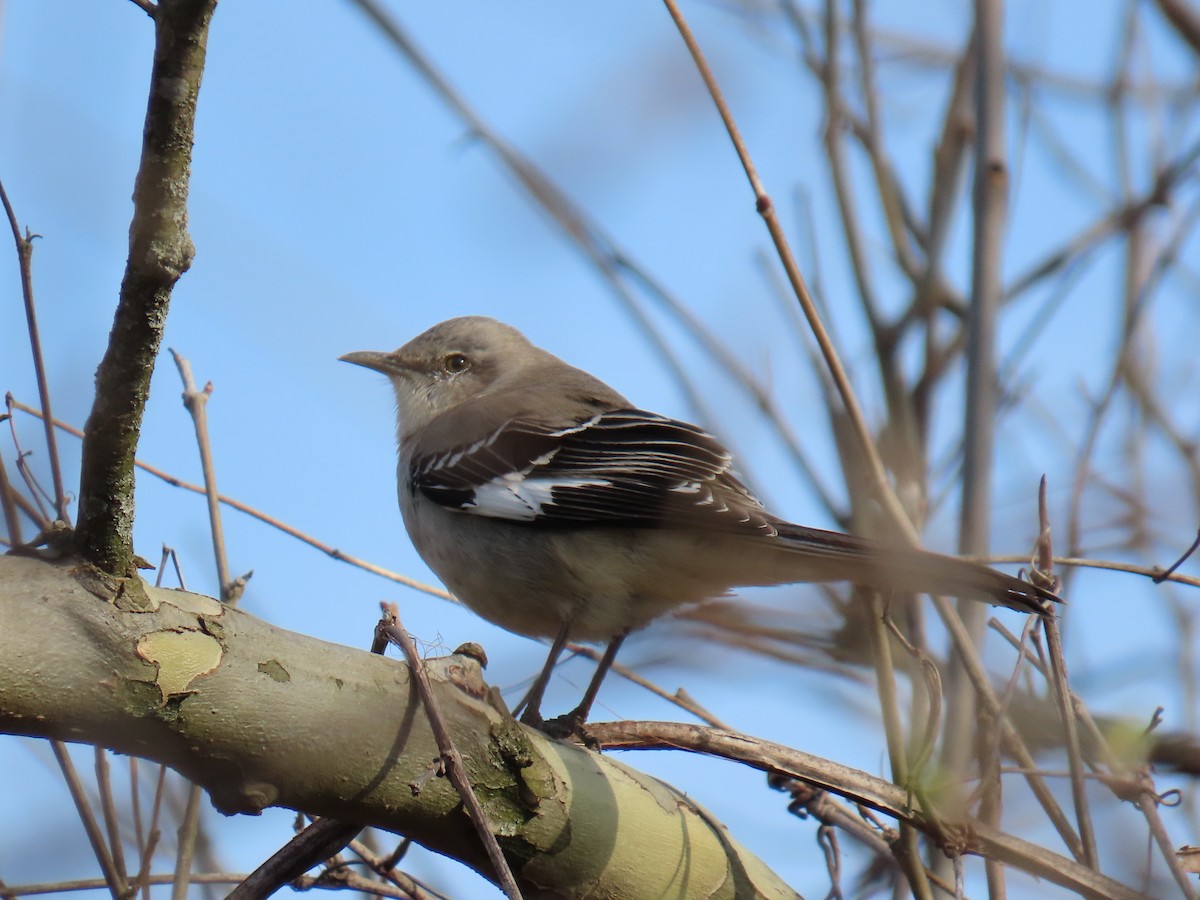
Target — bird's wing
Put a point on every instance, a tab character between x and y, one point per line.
619	467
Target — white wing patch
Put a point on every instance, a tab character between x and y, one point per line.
521	498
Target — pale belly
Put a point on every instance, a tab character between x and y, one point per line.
602	581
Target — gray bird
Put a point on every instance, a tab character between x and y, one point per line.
553	507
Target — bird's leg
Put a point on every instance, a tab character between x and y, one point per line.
533	700
579	714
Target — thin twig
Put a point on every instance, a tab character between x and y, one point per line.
1151	572
880	486
8	503
92	884
196	403
114	878
1184	19
188	834
278	524
385	867
897	213
989	209
1067	714
450	756
155	835
139	831
25	262
843	186
108	808
859	787
1147	803
318	841
1170	570
1013	743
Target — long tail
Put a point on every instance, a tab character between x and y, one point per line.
832	556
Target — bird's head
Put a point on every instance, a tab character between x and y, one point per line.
453	362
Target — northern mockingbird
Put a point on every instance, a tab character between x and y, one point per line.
553	507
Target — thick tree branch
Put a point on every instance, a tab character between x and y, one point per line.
160	251
263	717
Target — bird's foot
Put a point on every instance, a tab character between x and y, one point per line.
570	725
533	718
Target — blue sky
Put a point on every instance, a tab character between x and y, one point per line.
337	205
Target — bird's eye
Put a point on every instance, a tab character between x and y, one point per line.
455	362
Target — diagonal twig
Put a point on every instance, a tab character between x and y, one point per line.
24	244
451	758
273	522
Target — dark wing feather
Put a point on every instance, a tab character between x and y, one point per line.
622	467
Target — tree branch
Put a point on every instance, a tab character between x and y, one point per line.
160	251
262	717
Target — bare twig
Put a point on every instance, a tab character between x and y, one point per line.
880	486
835	151
273	522
859	787
153	835
385	867
318	841
906	849
108	807
24	244
1147	803
1184	19
92	884
1170	570
196	403
114	878
8	503
1062	695
989	218
897	213
450	755
188	834
990	703
139	832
